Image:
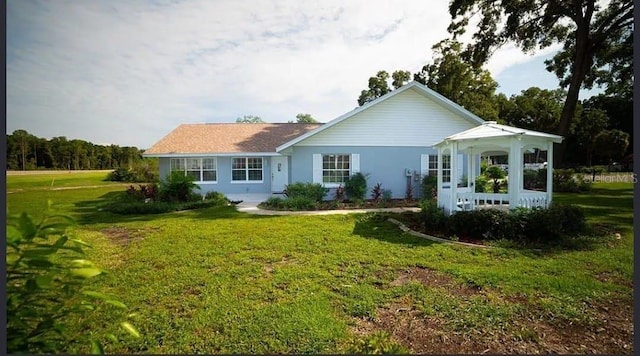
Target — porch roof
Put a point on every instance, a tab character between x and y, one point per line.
491	129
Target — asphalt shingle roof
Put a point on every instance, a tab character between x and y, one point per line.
228	138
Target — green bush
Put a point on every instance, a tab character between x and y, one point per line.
121	175
495	173
356	186
294	204
46	270
530	179
313	191
178	187
145	171
432	216
485	224
216	197
481	184
299	203
429	187
555	222
524	225
142	208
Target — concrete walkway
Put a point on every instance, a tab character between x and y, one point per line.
252	208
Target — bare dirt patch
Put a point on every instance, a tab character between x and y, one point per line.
123	235
269	267
610	332
431	278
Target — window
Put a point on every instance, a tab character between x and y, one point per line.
200	169
335	168
246	169
433	165
446	169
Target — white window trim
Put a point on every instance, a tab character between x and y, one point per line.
354	167
184	168
246	169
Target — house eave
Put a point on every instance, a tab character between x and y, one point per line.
210	154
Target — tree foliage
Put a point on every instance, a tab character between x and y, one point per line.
535	109
379	85
596	41
249	119
46	273
27	152
305	119
460	82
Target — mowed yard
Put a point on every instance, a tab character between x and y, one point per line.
219	281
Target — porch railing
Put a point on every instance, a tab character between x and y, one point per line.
471	201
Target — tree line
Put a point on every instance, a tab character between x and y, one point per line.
28	152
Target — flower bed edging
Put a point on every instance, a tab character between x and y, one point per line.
404	228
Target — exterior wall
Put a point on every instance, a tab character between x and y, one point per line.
224	185
408	119
384	165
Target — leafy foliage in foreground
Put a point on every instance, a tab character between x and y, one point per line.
45	276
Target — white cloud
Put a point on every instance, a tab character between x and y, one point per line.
129	72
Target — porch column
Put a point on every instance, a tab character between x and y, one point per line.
515	172
549	172
454	176
441	202
472	177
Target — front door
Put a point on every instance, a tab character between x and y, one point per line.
279	173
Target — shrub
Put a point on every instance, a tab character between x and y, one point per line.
481	184
46	270
525	225
530	179
356	186
340	193
433	217
148	191
313	191
408	195
141	172
557	221
120	175
216	197
485	224
430	187
386	195
274	203
299	203
496	173
376	193
177	187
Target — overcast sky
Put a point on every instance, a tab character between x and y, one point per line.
128	72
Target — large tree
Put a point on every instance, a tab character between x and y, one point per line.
596	40
535	109
379	85
462	83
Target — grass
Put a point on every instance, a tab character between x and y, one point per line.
56	180
218	281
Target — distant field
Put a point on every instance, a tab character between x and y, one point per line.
29	180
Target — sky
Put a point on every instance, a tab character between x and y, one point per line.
127	72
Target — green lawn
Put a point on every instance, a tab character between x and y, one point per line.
219	281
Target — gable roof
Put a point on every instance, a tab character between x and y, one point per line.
420	88
191	139
492	129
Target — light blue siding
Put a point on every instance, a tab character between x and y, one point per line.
224	184
384	165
